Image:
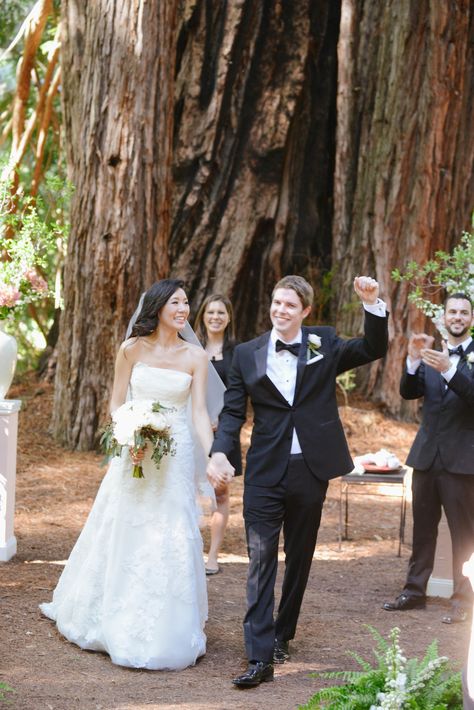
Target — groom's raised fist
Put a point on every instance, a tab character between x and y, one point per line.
367	289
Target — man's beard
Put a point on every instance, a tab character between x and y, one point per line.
459	334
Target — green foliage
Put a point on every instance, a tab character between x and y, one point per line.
33	222
346	383
444	274
4	688
32	240
395	683
13	14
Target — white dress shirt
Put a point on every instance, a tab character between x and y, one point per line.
281	369
413	365
281	366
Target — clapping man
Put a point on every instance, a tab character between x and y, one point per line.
442	456
297	445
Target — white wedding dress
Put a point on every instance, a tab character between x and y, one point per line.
134	585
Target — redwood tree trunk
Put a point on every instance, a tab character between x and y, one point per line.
249	195
118	87
202	139
404	185
254	148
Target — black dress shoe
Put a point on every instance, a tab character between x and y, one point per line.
404	602
281	652
457	615
256	673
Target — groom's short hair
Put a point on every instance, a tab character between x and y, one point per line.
298	284
459	294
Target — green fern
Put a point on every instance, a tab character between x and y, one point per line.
4	688
426	684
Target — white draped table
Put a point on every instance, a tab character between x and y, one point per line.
9	409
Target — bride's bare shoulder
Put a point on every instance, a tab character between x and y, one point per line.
130	348
196	351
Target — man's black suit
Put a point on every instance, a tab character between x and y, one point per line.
442	457
283	490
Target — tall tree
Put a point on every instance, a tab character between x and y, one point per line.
404	179
118	88
226	182
202	143
254	148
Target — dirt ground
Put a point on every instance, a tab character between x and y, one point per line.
55	489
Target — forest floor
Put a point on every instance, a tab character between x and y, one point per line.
55	490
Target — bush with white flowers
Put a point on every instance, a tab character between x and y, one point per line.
444	274
394	684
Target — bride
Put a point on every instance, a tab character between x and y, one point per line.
134	585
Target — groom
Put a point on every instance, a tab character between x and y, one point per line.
297	445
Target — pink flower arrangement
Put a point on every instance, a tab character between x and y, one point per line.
9	295
26	287
36	281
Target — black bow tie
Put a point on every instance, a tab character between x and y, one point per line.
293	348
456	351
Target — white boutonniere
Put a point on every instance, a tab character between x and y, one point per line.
470	360
314	343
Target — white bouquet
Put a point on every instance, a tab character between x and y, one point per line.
133	425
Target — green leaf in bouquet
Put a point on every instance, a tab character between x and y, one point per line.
157	407
109	443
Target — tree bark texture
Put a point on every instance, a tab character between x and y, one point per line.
118	87
202	144
254	146
404	180
227	182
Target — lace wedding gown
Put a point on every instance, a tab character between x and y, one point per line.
134	585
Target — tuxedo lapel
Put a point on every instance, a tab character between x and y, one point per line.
443	385
463	363
260	357
302	357
462	366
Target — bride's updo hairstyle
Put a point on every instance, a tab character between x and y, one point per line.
154	300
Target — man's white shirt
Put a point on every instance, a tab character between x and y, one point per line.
413	365
281	366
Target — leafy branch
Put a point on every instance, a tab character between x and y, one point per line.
446	273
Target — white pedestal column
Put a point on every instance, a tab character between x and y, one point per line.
9	409
440	583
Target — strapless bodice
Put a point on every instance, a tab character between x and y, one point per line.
170	388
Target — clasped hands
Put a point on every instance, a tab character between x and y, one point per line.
420	347
219	470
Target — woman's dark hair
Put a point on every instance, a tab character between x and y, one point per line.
200	328
154	300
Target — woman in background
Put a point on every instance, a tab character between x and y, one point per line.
214	328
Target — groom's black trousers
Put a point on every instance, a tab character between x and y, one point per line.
295	504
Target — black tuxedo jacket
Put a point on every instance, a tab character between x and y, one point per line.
314	413
447	419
